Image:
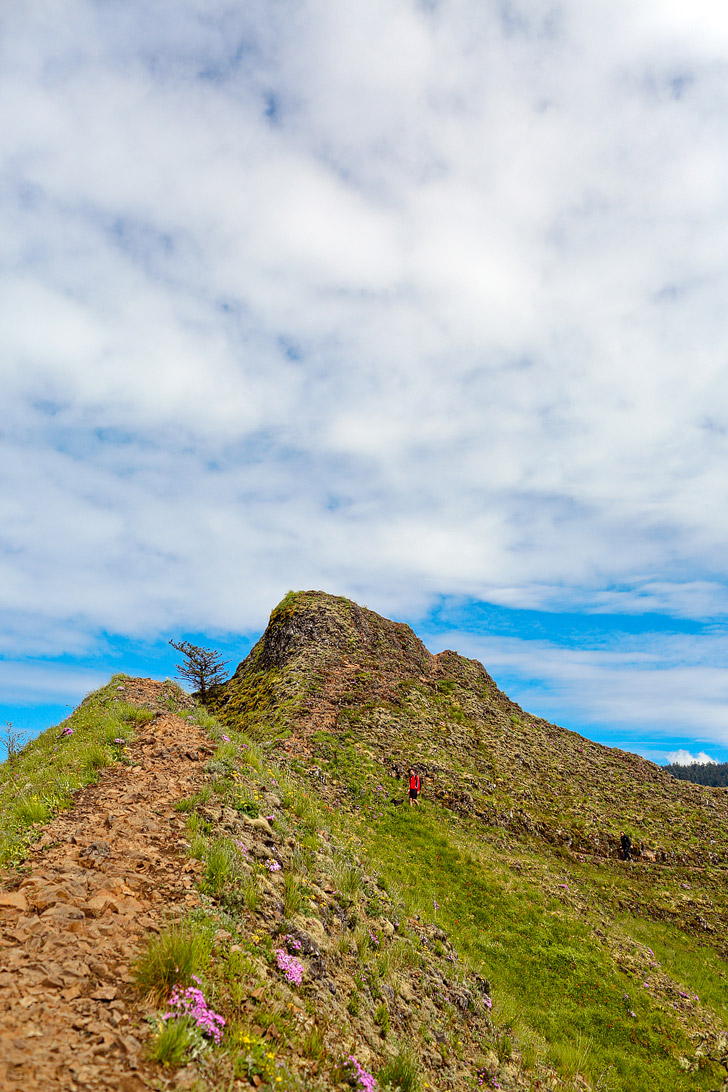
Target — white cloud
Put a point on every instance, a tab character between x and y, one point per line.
684	758
399	300
38	683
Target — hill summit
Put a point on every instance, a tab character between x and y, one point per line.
243	898
329	677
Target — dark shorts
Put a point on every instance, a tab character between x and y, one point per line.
413	794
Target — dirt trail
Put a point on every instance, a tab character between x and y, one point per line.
104	874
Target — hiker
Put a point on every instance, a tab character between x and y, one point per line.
626	842
414	788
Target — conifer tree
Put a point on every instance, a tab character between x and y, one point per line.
203	667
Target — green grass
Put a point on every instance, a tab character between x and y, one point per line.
173	1041
173	957
541	959
33	809
223	865
295	894
401	1073
50	768
697	967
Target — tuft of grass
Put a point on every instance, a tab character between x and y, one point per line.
313	1045
223	865
33	809
381	1017
362	942
294	894
173	1041
347	877
197	847
95	756
250	889
401	1073
171	958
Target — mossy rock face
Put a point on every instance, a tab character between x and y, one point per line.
334	627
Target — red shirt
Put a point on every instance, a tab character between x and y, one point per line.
415	783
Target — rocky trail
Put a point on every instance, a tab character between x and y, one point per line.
102	876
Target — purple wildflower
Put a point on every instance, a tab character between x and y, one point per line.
191	1002
273	865
365	1082
224	738
291	967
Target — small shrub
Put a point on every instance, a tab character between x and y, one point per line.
248	807
13	741
381	1017
354	1005
172	957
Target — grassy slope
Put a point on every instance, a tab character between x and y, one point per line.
375	981
516	841
42	778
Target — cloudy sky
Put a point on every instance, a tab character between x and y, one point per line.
418	301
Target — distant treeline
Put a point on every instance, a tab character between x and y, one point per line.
703	773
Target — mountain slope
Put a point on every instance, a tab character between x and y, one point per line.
518	839
269	874
193	911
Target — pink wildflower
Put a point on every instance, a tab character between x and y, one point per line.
291	967
191	1002
365	1082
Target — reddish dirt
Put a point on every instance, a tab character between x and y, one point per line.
103	875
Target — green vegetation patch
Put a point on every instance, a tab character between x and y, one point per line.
549	975
41	779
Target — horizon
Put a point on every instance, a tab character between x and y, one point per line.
139	660
420	301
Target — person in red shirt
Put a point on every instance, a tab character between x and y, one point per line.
414	788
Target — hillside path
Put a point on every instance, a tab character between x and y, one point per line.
104	874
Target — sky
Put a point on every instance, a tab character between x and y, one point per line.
423	302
